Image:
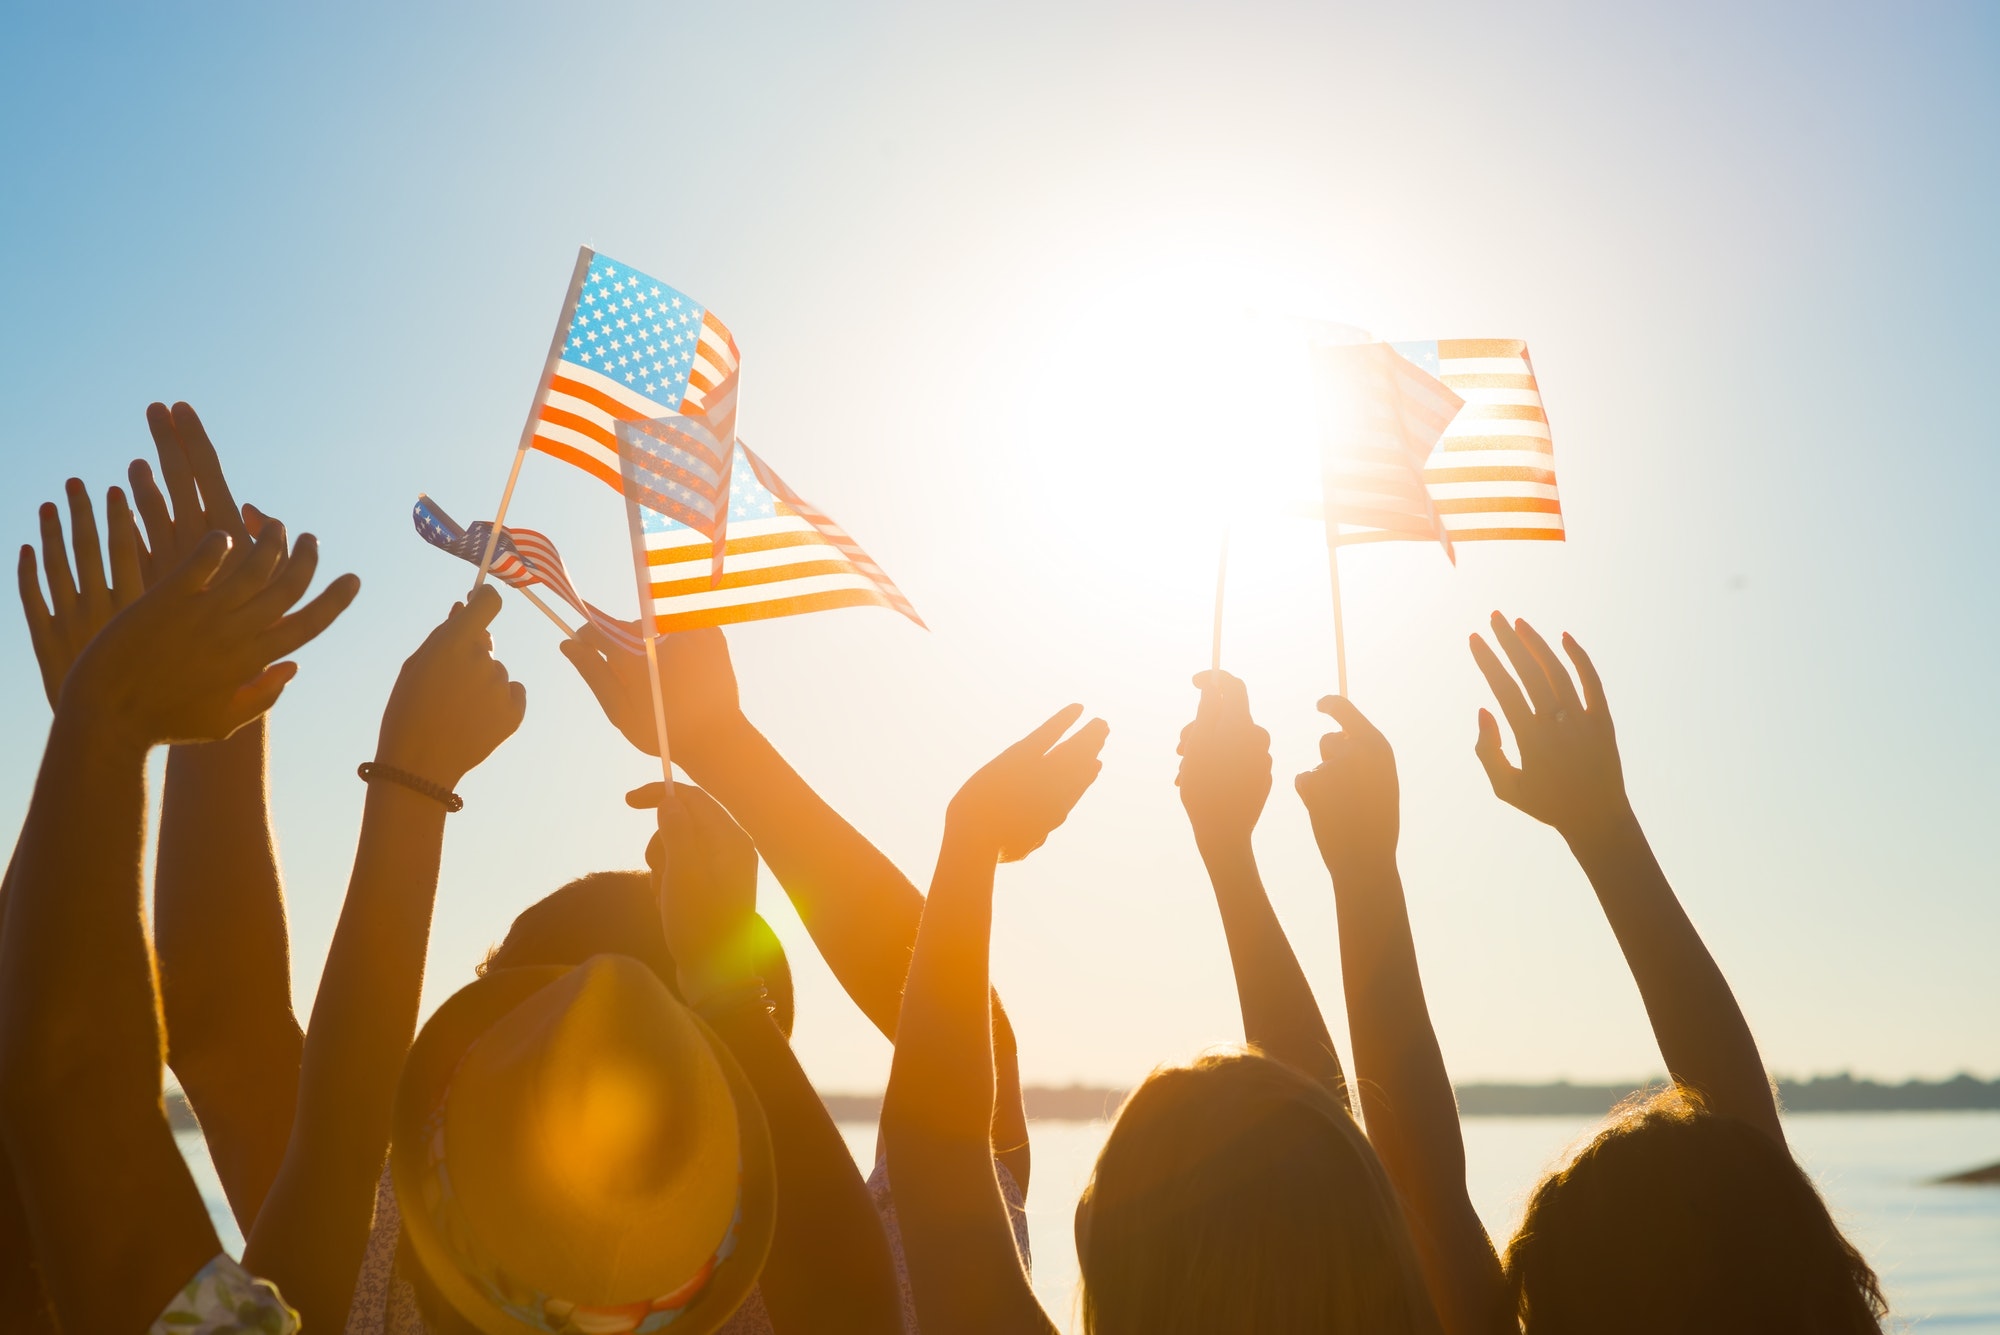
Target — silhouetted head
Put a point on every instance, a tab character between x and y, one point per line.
618	913
1676	1219
1236	1195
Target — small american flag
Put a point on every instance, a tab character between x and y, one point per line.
1445	440
636	350
521	558
1493	474
1381	416
782	556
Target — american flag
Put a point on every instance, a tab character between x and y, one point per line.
1493	474
782	557
1381	415
1394	470
676	466
521	558
636	350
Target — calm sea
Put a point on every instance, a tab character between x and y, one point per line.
1937	1248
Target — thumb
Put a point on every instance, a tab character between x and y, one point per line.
258	695
1500	772
1343	711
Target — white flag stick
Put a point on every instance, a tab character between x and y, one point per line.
547	611
650	629
583	257
1221	583
1339	630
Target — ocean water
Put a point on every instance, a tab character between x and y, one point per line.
1937	1248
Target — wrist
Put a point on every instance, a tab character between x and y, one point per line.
1608	826
1229	848
705	748
399	752
96	730
968	840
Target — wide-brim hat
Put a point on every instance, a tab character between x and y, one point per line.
560	1132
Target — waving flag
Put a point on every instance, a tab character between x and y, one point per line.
636	349
522	558
1442	441
781	557
1493	474
1380	416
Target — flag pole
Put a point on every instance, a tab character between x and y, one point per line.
583	258
1339	630
1221	583
547	611
650	631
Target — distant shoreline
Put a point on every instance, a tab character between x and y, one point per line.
1560	1098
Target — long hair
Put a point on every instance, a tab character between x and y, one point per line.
1674	1218
1236	1195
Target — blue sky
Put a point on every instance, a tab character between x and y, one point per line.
989	269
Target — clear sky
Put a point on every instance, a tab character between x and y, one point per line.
988	268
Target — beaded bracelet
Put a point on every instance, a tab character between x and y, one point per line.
372	770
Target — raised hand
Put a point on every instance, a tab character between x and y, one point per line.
197	499
697	683
453	704
1018	798
1569	776
197	657
709	903
1352	794
1225	773
83	598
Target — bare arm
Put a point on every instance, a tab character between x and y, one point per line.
1570	777
103	1187
452	705
936	1116
1406	1095
102	1184
861	910
218	904
225	961
1224	778
225	974
829	1268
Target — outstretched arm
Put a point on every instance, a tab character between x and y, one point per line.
861	910
218	904
1570	777
451	706
1224	778
1406	1097
958	1241
829	1268
104	1189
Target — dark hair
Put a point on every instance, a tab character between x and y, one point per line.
1237	1195
617	913
1677	1219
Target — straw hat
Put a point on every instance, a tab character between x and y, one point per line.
576	1152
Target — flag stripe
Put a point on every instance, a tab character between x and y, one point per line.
1471	505
1444	477
778	607
1507	535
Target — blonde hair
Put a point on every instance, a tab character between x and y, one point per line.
1236	1195
1675	1218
